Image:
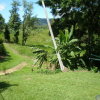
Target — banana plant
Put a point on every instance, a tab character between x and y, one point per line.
71	53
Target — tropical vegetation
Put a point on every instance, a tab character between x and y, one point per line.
27	39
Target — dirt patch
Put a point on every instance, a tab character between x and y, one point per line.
18	67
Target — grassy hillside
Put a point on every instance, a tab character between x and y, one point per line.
38	36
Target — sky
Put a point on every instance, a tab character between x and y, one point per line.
5	6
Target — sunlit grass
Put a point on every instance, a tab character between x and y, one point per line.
11	60
27	85
39	37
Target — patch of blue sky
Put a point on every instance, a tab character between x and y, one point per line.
5	7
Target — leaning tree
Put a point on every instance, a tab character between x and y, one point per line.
84	15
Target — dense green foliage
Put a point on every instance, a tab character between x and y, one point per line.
14	21
70	52
84	16
28	20
2	26
2	48
7	33
2	23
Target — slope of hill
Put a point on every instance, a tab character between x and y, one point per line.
42	21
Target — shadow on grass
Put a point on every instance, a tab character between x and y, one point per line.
4	58
4	55
3	87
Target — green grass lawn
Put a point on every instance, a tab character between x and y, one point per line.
28	85
22	50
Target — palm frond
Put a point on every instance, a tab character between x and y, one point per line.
73	41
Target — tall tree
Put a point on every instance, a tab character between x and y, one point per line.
2	23
7	33
83	14
28	20
14	21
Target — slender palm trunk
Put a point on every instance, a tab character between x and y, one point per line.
63	68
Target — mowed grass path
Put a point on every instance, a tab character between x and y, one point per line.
15	57
27	85
11	60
